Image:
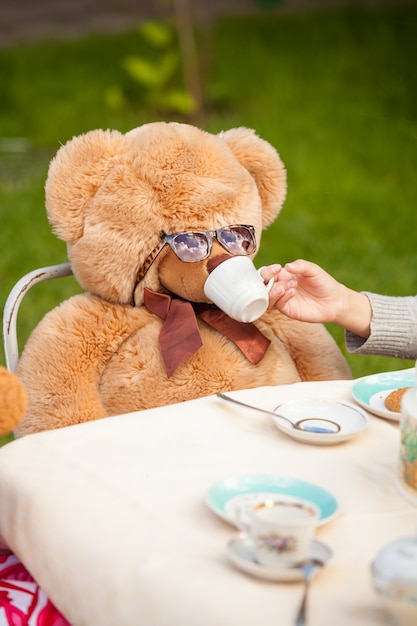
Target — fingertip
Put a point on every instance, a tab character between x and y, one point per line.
289	267
276	292
272	271
292	265
275	268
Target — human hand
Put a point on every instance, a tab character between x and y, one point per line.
304	291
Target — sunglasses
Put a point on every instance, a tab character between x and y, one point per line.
192	246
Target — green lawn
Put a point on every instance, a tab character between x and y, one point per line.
334	91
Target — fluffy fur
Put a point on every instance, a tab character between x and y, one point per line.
109	196
12	401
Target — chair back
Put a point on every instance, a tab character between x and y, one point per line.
11	308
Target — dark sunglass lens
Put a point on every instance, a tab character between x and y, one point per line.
190	247
237	239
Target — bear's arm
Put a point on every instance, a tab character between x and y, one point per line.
312	348
64	358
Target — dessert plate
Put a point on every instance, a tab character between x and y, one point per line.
370	391
226	496
349	418
240	552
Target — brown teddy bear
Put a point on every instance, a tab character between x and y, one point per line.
13	401
128	344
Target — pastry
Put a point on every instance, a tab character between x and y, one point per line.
393	399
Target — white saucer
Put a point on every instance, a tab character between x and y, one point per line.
350	419
240	552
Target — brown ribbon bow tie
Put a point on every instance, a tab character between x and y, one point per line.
180	338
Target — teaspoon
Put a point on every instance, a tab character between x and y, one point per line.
330	428
309	567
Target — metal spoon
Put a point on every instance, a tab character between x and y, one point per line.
331	428
309	567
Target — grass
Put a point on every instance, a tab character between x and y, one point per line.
334	91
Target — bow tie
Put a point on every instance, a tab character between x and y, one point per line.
180	338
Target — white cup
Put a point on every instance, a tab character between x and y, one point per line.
280	531
238	289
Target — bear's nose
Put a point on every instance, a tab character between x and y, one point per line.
213	262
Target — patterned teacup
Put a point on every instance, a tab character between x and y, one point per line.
281	531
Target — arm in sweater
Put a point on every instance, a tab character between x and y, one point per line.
374	324
393	328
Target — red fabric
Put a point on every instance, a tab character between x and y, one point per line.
22	601
180	337
247	337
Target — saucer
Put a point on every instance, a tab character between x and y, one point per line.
370	391
225	496
350	419
240	551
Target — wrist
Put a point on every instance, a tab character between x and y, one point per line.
355	312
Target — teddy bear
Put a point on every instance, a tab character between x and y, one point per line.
130	208
13	401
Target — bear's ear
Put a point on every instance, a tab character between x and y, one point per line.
75	173
265	166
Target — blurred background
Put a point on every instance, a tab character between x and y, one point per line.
331	84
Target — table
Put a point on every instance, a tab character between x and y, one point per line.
110	516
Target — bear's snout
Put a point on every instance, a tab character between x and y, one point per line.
214	262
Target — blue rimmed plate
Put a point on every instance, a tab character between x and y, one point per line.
370	391
225	497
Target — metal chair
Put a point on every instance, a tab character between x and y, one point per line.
11	308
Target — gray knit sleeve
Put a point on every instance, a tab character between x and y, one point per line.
393	328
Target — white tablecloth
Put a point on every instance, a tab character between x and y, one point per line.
110	516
